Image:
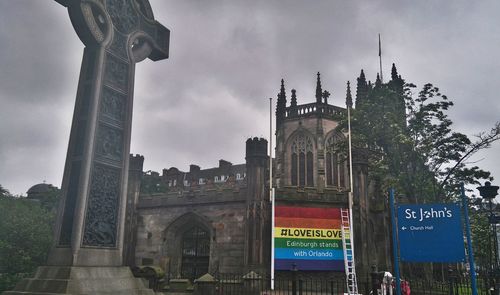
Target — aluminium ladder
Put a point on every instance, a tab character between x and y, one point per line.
348	247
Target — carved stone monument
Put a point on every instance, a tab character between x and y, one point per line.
87	254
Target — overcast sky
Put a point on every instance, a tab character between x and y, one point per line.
226	59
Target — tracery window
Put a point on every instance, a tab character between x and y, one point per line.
336	162
195	253
302	161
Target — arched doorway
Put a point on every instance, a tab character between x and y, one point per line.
195	252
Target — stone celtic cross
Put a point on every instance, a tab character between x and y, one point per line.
116	34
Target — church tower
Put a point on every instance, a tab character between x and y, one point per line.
312	165
308	153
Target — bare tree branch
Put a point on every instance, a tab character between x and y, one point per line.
485	141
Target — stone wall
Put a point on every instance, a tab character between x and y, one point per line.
163	219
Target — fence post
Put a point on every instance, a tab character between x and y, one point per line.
294	279
252	283
205	285
375	280
450	280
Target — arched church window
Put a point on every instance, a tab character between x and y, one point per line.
302	169
309	168
336	162
302	161
294	169
195	253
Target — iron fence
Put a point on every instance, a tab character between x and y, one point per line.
255	284
228	284
454	286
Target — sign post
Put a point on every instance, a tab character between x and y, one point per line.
469	241
395	241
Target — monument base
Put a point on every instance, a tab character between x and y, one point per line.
81	280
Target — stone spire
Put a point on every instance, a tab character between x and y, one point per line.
396	79
394	72
397	85
319	92
281	105
361	89
282	91
348	96
293	102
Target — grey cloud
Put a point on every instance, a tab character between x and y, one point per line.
226	60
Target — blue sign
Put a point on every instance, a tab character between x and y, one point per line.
430	233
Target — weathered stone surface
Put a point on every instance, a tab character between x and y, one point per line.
224	209
117	35
159	233
90	223
180	285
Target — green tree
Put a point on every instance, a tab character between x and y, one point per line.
409	140
3	191
481	233
410	144
25	237
442	151
151	183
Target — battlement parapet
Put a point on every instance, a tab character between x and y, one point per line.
313	109
136	162
256	148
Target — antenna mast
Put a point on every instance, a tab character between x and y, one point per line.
380	58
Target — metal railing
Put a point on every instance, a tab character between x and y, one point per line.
454	286
255	284
320	284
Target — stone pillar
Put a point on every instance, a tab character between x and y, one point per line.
365	240
116	34
252	283
205	285
319	173
133	192
257	231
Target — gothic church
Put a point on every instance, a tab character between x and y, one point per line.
218	220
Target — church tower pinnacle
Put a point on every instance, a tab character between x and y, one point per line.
348	96
293	102
361	89
394	72
319	92
282	91
281	105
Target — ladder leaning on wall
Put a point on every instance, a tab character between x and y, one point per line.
348	247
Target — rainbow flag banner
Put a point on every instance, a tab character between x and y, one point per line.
308	237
